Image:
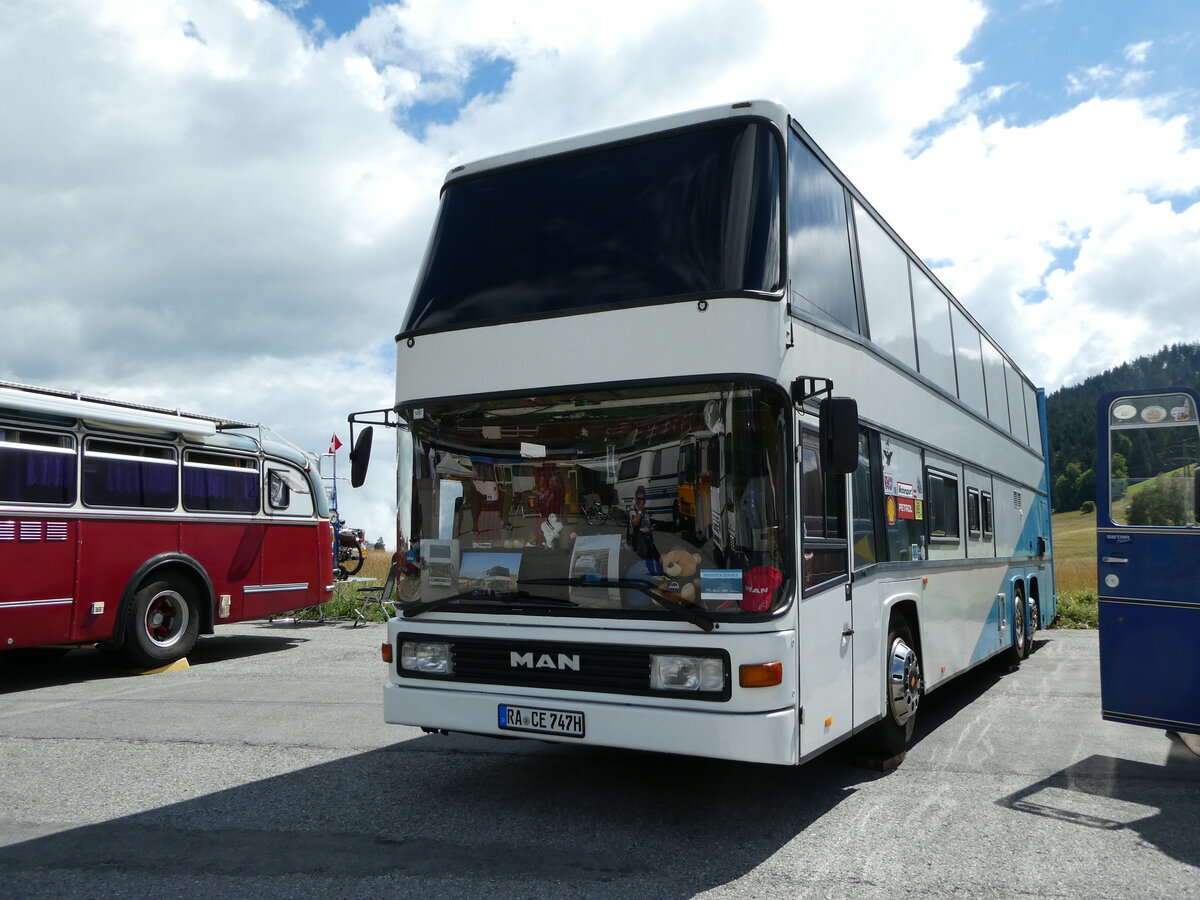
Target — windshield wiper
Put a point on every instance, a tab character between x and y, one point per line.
697	615
520	598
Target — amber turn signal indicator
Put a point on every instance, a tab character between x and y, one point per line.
760	674
385	650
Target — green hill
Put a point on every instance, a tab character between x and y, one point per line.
1071	417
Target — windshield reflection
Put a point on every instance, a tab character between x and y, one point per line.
614	500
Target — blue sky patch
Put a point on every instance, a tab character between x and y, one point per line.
1054	53
488	76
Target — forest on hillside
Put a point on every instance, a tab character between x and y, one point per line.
1071	416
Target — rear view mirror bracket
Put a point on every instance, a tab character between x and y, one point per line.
360	447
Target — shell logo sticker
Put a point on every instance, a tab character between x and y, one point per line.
891	510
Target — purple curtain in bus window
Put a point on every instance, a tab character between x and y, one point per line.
119	482
215	490
33	477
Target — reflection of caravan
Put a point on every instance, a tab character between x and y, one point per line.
656	470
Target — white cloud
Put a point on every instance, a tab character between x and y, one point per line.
208	207
1137	53
1095	181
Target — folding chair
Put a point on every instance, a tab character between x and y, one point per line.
384	595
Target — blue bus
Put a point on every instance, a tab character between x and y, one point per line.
1148	557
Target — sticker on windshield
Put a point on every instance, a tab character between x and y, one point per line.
721	585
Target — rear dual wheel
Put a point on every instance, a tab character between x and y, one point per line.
1020	645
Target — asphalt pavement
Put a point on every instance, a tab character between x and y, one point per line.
264	770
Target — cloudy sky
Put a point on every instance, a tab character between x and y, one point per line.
219	205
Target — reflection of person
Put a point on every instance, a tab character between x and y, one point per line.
641	527
506	503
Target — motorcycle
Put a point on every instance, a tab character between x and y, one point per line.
351	549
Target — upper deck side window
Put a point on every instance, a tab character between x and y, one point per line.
36	467
819	262
885	289
685	213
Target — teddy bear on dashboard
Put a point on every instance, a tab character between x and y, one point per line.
682	571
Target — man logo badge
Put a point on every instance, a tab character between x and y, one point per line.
560	661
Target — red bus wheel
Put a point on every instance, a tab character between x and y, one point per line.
162	625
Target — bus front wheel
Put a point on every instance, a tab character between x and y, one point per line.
902	692
162	625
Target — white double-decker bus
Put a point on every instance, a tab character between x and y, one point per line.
869	464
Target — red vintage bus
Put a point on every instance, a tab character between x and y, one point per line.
140	528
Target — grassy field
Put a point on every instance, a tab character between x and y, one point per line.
1074	545
346	598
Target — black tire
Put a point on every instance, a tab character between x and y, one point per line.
350	559
1035	622
161	625
903	686
1020	645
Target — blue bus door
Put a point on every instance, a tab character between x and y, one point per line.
1148	557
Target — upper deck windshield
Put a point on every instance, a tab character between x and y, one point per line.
628	500
693	212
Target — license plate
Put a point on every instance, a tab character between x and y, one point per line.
561	722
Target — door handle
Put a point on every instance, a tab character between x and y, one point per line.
848	632
1114	559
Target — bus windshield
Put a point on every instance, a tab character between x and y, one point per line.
687	213
611	499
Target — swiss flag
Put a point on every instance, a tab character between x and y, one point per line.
334	444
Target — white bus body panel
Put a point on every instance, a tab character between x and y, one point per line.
746	337
755	724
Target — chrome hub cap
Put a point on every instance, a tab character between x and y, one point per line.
904	682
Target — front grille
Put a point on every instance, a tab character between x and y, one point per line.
609	668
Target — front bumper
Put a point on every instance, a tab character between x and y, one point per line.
761	737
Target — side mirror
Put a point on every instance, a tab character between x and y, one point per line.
360	456
839	435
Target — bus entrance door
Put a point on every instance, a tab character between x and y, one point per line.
826	620
1148	558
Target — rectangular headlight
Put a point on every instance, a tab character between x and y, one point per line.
426	657
686	673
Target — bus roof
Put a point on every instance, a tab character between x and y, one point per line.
763	109
51	401
214	431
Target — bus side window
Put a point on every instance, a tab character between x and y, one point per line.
278	493
863	499
288	492
129	475
823	509
36	467
220	482
973	520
